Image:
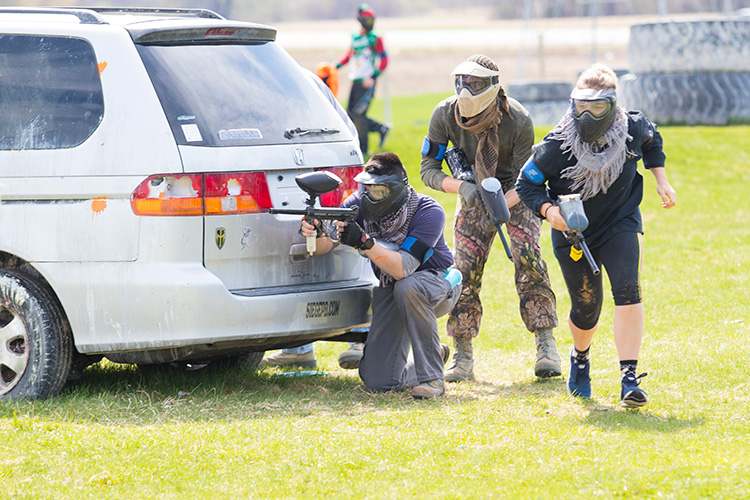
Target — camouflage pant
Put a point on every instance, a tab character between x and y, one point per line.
472	243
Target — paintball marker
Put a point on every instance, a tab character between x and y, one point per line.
490	190
361	107
316	184
571	209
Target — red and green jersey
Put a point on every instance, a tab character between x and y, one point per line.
364	53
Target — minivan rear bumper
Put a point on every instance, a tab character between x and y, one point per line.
115	307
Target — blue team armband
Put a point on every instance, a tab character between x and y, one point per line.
433	150
418	249
532	173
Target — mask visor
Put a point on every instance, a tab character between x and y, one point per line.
474	84
596	108
377	192
367	23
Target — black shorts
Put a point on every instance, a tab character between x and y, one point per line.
620	256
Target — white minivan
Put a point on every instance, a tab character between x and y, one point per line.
140	153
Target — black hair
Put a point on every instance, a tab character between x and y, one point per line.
385	164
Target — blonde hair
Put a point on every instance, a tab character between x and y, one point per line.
599	77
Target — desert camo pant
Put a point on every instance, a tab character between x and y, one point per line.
472	241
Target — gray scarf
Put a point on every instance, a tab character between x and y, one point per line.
599	163
394	228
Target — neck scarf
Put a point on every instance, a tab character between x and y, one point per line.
394	228
599	163
485	127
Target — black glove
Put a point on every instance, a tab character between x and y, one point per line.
354	236
470	193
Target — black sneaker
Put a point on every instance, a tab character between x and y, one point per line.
631	395
384	131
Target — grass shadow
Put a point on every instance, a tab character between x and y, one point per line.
142	395
612	418
482	388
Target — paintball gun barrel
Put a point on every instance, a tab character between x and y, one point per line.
316	184
490	190
571	209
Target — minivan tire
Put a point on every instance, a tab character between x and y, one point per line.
36	347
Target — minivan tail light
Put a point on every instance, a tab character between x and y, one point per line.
223	31
237	193
202	194
347	188
169	195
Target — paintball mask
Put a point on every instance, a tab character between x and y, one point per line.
366	17
593	112
476	87
381	195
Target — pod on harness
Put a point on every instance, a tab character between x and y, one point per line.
453	276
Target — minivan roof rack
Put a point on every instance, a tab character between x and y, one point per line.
203	13
90	15
85	16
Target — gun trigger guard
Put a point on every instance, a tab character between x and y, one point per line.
319	232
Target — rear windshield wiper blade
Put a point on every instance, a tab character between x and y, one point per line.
291	132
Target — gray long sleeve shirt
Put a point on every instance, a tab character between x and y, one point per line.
516	137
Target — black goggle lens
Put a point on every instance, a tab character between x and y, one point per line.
378	192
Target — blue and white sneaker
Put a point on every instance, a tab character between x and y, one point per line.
631	395
579	380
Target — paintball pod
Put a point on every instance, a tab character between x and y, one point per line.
316	184
571	209
490	190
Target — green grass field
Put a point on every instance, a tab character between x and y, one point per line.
124	432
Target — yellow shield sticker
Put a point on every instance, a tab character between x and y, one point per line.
221	237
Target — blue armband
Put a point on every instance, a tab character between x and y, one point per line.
418	249
532	173
433	150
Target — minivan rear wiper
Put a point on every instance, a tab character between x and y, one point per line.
291	132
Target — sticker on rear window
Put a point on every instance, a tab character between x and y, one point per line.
240	134
192	134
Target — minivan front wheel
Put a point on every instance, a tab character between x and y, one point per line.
35	346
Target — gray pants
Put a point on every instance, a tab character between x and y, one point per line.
405	316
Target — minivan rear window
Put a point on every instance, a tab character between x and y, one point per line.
50	92
239	95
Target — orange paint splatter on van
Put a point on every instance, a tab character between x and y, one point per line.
98	205
101	66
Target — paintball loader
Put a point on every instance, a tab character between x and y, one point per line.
571	209
490	190
316	184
